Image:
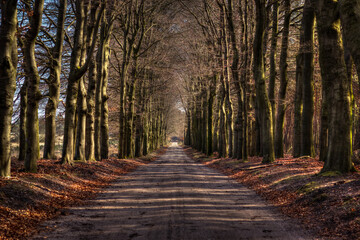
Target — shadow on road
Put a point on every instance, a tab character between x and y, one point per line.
174	198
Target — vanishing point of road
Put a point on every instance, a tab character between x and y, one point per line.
174	198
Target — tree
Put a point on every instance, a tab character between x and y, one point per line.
273	50
54	84
127	47
88	35
33	81
239	143
333	72
8	65
350	18
263	104
307	136
77	71
280	117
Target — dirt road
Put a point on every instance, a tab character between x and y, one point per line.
174	198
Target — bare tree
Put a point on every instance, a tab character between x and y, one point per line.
8	65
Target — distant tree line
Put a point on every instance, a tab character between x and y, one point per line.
81	53
262	65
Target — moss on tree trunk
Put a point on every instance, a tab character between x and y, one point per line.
8	65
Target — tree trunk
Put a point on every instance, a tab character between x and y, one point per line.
246	62
264	107
349	72
102	112
204	120
76	72
227	79
8	65
350	21
104	105
127	54
81	122
90	116
80	152
239	140
333	70
22	127
307	135
34	95
325	107
279	137
146	113
222	127
212	89
298	103
273	50
140	115
54	85
131	114
73	86
99	83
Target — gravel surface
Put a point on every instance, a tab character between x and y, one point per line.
174	198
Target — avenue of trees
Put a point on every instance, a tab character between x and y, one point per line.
84	66
276	77
251	77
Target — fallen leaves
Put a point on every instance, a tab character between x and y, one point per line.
327	205
27	199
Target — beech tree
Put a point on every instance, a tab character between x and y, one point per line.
263	104
273	54
279	126
350	19
307	139
333	72
226	66
77	71
8	65
33	81
54	83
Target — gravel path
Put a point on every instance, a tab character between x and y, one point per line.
174	198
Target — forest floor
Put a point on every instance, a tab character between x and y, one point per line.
328	204
28	199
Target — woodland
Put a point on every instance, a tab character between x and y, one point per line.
251	78
102	81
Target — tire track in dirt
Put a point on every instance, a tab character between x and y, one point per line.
174	198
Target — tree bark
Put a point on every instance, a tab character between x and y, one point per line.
90	116
8	65
81	108
279	136
333	70
350	22
210	119
106	31
127	53
298	104
263	103
273	50
34	95
307	135
54	84
246	63
22	127
239	129
99	83
76	72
